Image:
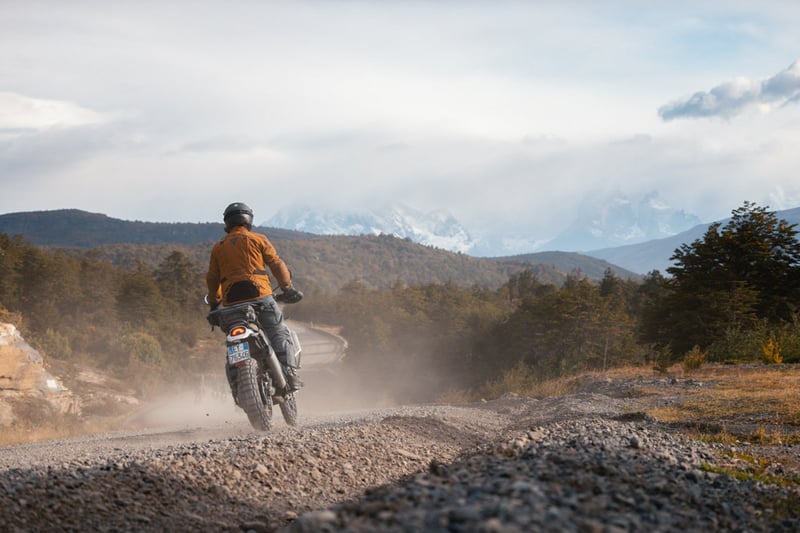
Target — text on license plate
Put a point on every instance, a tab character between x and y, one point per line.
238	353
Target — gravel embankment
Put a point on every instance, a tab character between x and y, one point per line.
570	464
590	475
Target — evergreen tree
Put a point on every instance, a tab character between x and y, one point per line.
178	279
737	274
139	302
10	272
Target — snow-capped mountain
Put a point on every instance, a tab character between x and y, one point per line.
620	221
601	223
497	243
437	228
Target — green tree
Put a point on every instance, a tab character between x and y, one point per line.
10	273
737	274
618	321
139	301
178	278
48	288
526	283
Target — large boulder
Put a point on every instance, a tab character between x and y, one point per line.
24	377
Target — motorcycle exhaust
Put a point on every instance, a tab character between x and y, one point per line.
274	368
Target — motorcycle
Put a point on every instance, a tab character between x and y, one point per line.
256	377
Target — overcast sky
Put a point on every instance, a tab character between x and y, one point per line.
505	113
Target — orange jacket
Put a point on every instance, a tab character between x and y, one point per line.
239	261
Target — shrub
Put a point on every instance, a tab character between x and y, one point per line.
519	379
789	339
694	359
738	345
662	360
54	344
771	351
790	347
142	347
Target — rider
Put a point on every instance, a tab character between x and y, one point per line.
237	272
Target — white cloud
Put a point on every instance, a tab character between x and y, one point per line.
23	113
733	97
505	113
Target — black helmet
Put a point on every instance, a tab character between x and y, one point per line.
237	214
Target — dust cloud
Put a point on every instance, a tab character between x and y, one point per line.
187	408
339	389
388	382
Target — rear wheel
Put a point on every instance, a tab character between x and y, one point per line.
249	397
289	409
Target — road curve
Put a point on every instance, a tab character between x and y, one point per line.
321	348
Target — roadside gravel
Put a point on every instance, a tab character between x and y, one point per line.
581	475
577	463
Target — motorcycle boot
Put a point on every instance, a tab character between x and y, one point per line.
293	381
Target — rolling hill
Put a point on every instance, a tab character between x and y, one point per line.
326	262
81	229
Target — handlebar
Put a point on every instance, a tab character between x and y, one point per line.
291	297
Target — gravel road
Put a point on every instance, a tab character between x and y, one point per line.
578	463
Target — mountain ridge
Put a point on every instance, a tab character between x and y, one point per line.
85	229
605	221
435	228
621	220
654	255
328	262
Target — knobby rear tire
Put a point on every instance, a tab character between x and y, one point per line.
257	406
289	409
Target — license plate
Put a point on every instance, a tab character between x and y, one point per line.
238	353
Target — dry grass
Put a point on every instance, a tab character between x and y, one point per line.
456	397
756	403
56	427
520	379
749	395
754	408
20	435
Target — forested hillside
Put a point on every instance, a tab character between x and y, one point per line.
328	263
732	296
76	228
322	262
139	323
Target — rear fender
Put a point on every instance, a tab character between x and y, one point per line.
241	332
